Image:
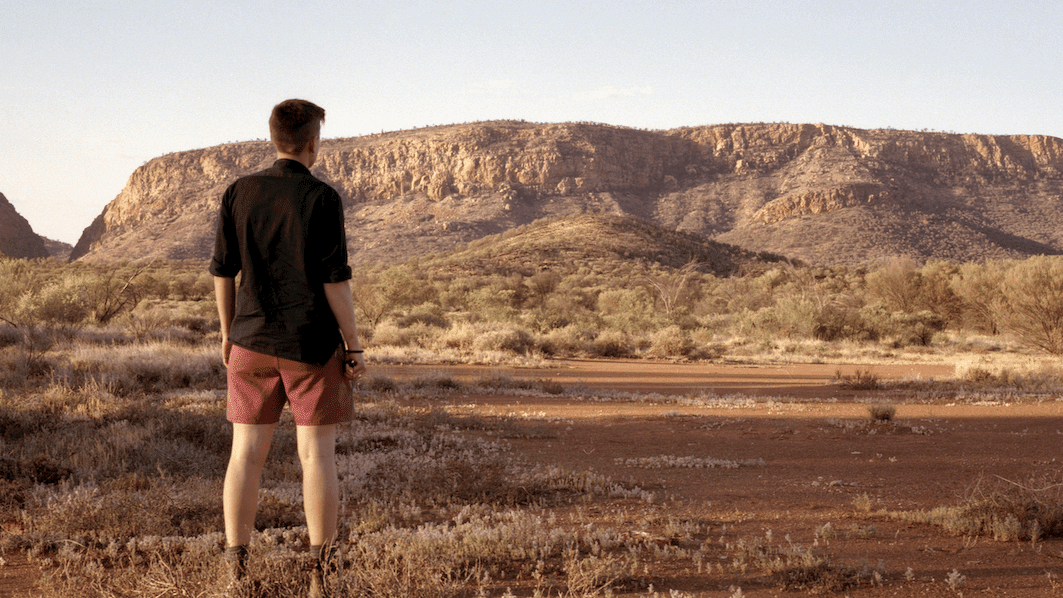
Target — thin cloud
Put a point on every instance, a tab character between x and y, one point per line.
609	92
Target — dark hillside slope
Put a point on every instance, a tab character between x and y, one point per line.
17	238
599	242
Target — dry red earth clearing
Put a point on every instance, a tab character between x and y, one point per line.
820	451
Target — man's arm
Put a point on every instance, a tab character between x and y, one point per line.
341	301
225	295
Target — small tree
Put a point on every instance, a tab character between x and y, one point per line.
544	283
670	287
16	278
111	293
1031	304
897	284
371	303
980	289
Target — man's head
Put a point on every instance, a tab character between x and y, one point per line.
294	124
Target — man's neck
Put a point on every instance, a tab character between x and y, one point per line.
305	158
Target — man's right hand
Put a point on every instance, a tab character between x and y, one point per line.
353	366
226	351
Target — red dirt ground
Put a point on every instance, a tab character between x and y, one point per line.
815	465
931	455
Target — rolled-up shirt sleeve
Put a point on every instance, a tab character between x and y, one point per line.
226	259
332	246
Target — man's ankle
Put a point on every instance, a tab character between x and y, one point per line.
236	556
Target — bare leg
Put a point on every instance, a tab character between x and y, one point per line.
242	480
321	494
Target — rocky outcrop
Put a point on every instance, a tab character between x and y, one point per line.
819	201
815	192
17	238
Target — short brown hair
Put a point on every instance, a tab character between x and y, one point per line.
294	123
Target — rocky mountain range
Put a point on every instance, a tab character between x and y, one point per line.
821	194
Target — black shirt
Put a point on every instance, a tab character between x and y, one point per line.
283	229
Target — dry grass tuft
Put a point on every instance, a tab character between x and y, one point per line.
1002	509
860	380
882	412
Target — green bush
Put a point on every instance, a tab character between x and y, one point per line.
59	302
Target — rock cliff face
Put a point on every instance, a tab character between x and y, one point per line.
818	193
17	238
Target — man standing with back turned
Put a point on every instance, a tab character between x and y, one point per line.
288	334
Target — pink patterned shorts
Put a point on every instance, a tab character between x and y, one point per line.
260	385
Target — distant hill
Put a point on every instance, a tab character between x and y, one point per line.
17	238
58	249
567	244
821	194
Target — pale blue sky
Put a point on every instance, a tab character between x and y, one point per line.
90	90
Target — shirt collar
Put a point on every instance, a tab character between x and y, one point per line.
291	166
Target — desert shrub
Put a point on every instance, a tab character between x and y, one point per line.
906	329
628	310
392	334
612	343
896	283
980	288
495	302
705	345
404	285
759	324
794	567
738	294
115	289
59	302
674	289
9	335
17	277
508	339
184	287
31	358
426	314
916	329
937	294
903	287
487	336
140	368
882	412
834	323
369	299
1032	302
543	319
543	283
459	336
671	341
1002	509
568	340
860	380
794	316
